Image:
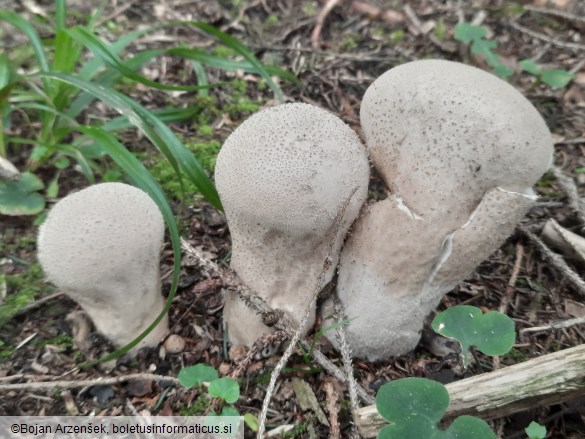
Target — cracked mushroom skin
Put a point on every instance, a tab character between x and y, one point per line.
459	150
284	176
101	246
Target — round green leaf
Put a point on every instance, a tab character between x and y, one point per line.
530	66
225	388
19	197
503	71
556	78
535	431
492	333
469	427
414	407
467	32
412	401
62	162
228	410
194	375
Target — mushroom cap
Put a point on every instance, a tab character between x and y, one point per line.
290	168
102	245
443	133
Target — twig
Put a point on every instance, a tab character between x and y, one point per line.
554	12
266	339
329	6
101	381
418	28
376	13
574	141
332	408
557	261
546	38
545	380
570	188
346	355
512	282
260	306
38	303
321	281
555	325
116	12
333	370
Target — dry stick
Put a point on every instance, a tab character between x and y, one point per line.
556	325
574	141
346	355
333	409
569	187
329	6
311	306
543	37
512	282
546	380
83	383
557	261
266	339
260	306
561	14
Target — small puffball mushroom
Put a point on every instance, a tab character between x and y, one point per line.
284	176
101	246
459	150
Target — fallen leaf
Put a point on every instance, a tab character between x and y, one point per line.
307	399
574	308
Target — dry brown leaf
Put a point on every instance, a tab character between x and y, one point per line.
307	399
574	308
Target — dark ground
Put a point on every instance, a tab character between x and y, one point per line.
353	51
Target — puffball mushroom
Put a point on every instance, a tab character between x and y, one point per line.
101	246
283	177
459	150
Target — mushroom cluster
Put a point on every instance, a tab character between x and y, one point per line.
101	246
283	177
459	150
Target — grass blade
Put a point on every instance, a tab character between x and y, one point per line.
201	77
20	23
92	67
166	115
158	133
84	100
234	44
141	178
60	14
227	64
99	49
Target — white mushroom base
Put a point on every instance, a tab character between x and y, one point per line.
396	267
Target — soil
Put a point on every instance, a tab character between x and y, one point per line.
353	49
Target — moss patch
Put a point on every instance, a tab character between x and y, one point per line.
22	289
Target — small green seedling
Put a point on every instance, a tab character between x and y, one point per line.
468	33
21	197
492	333
414	407
226	389
554	78
475	35
535	431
